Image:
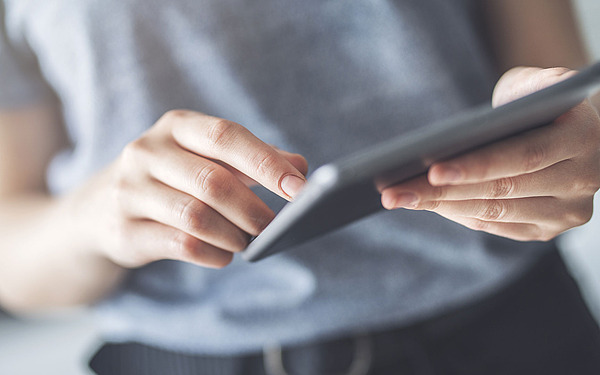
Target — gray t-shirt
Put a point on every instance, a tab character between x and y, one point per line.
322	78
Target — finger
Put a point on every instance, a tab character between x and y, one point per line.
297	161
165	205
514	231
531	153
538	210
154	241
233	144
525	153
565	179
212	184
521	81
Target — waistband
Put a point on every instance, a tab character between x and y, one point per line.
545	295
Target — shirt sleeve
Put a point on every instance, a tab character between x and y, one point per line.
21	83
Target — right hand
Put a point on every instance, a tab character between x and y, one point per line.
181	191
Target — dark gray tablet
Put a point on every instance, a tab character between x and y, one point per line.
344	190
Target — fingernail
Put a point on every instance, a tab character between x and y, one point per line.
450	174
406	200
291	185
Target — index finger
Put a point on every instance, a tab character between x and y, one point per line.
236	146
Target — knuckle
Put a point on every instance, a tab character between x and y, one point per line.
173	115
502	188
527	233
430	206
129	153
480	225
578	184
136	149
578	216
265	162
544	236
438	193
537	233
213	182
135	157
493	210
585	185
434	205
220	133
594	184
534	156
191	213
183	246
584	177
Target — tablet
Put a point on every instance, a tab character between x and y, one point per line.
344	190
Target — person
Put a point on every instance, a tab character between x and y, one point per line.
113	197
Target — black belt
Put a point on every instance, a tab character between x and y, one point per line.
536	298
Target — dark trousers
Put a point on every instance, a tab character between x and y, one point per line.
538	324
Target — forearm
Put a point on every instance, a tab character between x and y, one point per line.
44	262
541	33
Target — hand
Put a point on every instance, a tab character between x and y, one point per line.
530	187
181	191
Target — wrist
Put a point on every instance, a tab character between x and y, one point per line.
84	215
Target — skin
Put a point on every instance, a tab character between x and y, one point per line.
534	186
180	191
531	187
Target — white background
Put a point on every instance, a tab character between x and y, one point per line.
61	344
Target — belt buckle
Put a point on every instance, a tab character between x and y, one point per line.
361	359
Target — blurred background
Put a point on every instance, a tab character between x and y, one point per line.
60	344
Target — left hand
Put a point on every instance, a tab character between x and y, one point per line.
530	187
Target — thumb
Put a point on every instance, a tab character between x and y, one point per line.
522	81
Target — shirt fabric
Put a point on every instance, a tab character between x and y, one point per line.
322	78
